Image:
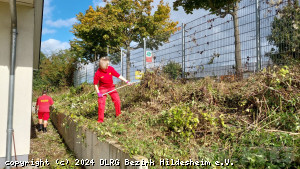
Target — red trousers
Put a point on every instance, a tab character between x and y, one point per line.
101	102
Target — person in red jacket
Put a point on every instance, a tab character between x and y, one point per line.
43	104
104	77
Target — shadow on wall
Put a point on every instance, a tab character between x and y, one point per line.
33	127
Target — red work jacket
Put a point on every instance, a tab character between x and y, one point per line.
105	77
44	102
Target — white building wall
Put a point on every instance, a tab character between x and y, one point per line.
23	78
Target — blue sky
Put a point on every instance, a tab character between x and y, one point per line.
58	18
60	15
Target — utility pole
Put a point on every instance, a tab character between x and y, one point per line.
258	55
144	55
122	62
183	50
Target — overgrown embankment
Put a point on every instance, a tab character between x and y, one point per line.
254	122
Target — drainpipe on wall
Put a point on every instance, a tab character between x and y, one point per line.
14	33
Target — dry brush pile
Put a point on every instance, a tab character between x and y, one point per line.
162	118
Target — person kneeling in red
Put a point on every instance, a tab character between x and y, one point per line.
43	104
104	77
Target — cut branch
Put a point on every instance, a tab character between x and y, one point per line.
287	132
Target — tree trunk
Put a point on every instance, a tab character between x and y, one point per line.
237	43
128	63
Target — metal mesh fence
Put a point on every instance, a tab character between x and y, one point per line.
85	73
206	46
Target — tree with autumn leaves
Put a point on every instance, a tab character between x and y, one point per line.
120	23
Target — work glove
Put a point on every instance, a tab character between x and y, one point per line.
100	95
129	83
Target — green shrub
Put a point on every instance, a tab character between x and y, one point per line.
285	35
172	69
76	90
258	149
180	121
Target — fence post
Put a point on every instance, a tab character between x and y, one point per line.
94	71
258	54
74	78
183	50
121	62
77	77
107	51
144	55
85	73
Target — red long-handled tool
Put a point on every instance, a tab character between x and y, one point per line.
117	88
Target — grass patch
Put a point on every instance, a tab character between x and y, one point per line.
49	146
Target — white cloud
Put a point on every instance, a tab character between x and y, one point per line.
48	8
51	46
100	3
48	31
61	22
